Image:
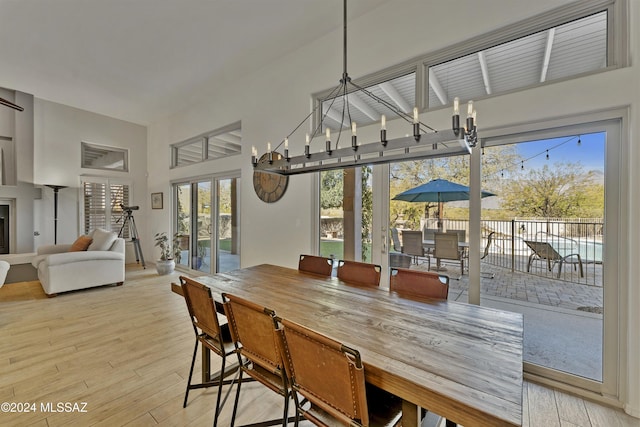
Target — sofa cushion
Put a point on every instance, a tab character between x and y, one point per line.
81	244
102	240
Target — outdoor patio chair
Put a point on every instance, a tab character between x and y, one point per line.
329	376
543	251
412	245
415	284
254	333
359	273
446	247
315	264
208	331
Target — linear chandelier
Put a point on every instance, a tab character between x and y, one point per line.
423	142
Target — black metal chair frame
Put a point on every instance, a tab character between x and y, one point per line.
213	343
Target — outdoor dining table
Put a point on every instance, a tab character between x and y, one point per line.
460	361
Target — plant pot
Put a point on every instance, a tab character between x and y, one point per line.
164	267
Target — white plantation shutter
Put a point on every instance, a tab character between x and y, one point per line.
101	205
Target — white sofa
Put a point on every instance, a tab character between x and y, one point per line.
61	271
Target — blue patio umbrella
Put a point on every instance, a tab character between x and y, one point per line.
438	191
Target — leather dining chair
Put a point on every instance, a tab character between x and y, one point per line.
359	273
254	333
415	283
329	376
315	264
209	331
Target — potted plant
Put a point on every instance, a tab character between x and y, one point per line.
164	265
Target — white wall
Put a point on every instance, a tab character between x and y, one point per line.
271	100
59	130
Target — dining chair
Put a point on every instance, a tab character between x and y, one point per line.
415	283
208	330
446	247
412	245
359	273
329	376
255	336
315	264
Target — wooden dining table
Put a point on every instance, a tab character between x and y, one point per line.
460	361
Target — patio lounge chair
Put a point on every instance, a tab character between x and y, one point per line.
544	251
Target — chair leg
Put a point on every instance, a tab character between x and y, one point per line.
235	404
217	413
285	414
529	263
193	361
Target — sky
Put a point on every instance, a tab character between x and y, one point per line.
590	152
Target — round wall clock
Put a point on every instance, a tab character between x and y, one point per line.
269	187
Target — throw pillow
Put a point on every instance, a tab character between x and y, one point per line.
102	240
81	244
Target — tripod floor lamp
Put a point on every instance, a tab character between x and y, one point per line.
55	188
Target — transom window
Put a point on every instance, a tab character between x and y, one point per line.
215	144
551	48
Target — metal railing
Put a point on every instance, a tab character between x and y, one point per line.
569	237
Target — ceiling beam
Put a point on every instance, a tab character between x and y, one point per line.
485	72
357	102
336	115
396	97
551	33
437	87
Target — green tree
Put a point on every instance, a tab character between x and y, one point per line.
331	185
558	192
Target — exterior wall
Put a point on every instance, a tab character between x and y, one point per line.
272	98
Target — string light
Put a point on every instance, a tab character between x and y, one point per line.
545	152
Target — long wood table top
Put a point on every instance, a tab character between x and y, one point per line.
461	361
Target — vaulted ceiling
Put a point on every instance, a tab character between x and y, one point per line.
140	60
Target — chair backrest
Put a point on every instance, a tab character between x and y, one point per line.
327	373
315	264
446	246
253	330
429	233
412	243
462	234
415	283
543	250
202	307
397	246
359	273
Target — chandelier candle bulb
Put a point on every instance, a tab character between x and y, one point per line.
269	153
456	106
328	143
254	155
286	148
306	147
354	137
469	108
383	130
416	124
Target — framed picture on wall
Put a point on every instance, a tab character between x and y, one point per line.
156	200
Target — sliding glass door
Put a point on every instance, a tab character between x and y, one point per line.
207	224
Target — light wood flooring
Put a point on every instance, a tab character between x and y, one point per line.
125	352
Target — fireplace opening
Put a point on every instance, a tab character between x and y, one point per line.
4	229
